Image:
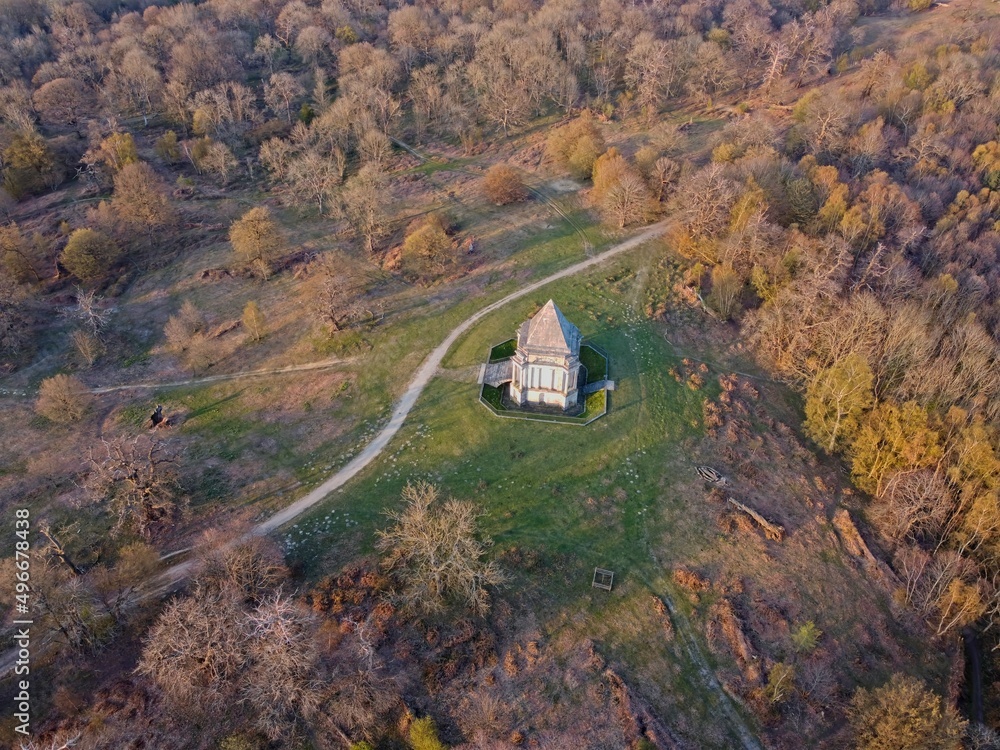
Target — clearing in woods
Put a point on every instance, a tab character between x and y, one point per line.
621	494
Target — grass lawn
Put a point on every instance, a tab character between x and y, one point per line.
267	438
449	437
595	362
493	396
594	406
571	498
503	351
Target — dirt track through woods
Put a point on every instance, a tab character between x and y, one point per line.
321	365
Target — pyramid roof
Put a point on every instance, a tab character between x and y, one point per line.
550	330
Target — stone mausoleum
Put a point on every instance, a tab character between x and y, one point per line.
546	364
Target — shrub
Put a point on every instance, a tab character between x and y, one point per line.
576	146
424	735
806	637
427	247
63	398
167	148
904	715
241	742
117	150
89	254
503	185
428	239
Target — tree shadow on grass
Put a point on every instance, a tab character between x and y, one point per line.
212	406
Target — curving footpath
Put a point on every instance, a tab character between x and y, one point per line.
427	370
176	573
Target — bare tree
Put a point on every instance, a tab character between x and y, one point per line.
647	72
276	154
218	159
334	293
251	568
628	200
15	320
727	286
118	586
16	254
914	506
134	85
368	77
904	715
209	652
312	176
140	200
280	93
91	311
706	198
375	148
253	320
257	239
281	683
664	174
87	345
364	202
197	651
65	101
837	398
435	549
63	398
137	477
7	204
67	606
55	548
182	327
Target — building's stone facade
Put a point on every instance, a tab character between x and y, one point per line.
546	364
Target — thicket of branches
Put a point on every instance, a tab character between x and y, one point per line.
864	240
435	549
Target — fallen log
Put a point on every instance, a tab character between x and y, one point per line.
772	531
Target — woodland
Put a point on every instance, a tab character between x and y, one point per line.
199	189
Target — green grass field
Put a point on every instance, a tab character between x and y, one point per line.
566	498
535	479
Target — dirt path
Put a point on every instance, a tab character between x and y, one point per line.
427	370
177	573
421	378
716	694
430	366
321	365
